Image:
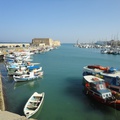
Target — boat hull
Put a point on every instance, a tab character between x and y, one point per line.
29	78
36	101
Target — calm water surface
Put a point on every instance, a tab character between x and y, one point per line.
62	84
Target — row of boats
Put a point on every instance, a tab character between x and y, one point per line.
19	65
103	84
113	51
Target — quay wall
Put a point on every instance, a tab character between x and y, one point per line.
6	115
2	104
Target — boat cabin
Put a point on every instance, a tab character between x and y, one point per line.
97	86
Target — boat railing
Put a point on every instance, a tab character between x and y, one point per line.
117	88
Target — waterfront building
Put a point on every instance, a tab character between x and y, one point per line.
11	45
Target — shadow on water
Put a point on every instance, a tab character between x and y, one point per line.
75	87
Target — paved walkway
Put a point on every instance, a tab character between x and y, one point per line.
5	115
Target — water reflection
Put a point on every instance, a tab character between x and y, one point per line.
29	84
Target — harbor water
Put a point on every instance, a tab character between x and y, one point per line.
62	83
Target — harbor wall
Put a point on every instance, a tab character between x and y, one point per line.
6	115
2	103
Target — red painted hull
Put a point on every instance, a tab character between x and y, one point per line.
97	67
114	104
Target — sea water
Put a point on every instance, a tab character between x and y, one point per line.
62	83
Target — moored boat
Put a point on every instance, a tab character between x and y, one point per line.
104	51
1	56
96	88
28	76
28	69
12	68
111	75
94	69
33	104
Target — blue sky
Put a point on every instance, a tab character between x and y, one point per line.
64	20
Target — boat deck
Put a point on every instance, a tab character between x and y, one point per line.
90	78
101	72
92	70
115	74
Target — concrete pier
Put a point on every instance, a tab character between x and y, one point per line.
5	115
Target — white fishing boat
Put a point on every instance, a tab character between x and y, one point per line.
28	76
32	69
33	104
17	65
104	51
12	68
111	75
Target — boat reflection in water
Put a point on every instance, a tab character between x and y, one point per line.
27	83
